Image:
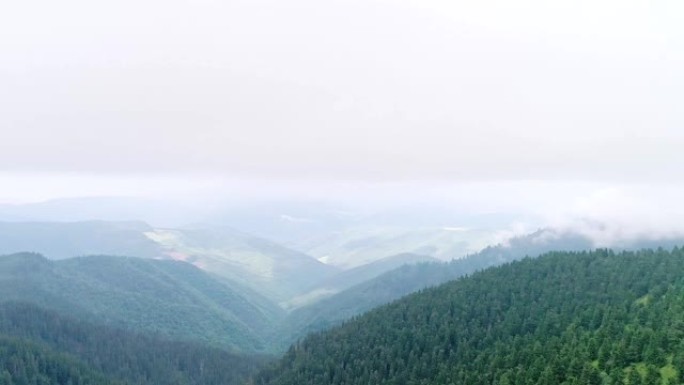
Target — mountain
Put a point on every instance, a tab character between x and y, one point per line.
357	246
282	221
59	240
269	268
170	298
275	271
392	285
115	354
292	223
352	277
565	318
334	308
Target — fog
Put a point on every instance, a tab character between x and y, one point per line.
608	213
371	90
562	114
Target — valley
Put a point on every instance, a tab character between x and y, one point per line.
345	192
595	317
192	294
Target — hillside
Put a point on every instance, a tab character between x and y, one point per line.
26	363
118	355
170	298
409	278
357	246
273	270
337	306
565	318
348	278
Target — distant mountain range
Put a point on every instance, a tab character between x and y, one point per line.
358	246
289	277
221	286
336	234
204	291
333	309
60	240
346	279
273	270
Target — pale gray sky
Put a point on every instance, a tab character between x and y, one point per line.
565	110
358	90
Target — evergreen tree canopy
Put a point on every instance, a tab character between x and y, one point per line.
566	318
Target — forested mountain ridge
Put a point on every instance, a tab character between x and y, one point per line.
107	354
273	270
169	298
403	280
565	318
413	277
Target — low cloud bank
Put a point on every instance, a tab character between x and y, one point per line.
618	216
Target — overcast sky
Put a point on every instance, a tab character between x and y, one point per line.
131	97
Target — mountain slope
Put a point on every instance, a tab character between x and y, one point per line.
357	275
357	246
120	355
173	299
267	267
352	277
565	318
410	278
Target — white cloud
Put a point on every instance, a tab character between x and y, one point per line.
616	215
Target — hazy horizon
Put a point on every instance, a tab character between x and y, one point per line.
344	90
555	114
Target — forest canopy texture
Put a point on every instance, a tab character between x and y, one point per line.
565	318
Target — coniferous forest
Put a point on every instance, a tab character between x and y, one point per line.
48	348
599	317
565	318
25	363
345	192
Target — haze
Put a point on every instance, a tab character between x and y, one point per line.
328	192
533	108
